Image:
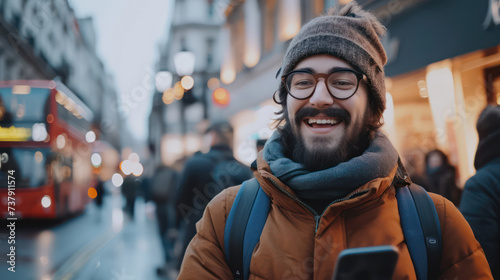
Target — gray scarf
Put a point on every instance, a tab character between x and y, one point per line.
377	161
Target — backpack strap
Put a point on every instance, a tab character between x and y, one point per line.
423	238
430	226
251	206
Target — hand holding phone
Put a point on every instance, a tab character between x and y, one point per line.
367	263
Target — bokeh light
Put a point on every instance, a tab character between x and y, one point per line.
137	169
39	132
90	136
50	118
178	91
38	156
134	157
221	97
168	96
96	160
92	192
117	180
187	82
127	166
60	141
46	201
213	83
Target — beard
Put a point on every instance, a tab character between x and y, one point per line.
319	153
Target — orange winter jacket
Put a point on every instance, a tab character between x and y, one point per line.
291	248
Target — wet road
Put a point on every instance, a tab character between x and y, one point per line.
99	244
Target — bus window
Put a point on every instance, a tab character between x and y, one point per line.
71	119
28	164
22	108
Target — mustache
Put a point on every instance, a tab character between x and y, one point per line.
330	112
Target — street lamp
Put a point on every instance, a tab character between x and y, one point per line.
184	63
163	81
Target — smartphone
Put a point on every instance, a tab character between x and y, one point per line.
367	263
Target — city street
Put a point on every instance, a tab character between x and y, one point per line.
121	121
105	245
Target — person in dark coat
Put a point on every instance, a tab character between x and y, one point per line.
164	184
129	189
481	198
204	176
440	176
100	193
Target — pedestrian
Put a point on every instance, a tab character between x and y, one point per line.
328	170
441	176
129	189
481	198
100	193
164	185
99	187
204	176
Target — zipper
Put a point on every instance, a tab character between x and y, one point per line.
317	217
293	197
344	198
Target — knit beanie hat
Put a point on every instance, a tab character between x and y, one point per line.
488	130
351	34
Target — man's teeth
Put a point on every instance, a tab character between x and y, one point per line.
323	121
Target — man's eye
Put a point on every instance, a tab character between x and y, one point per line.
342	83
304	83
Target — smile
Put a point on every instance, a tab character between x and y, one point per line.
322	122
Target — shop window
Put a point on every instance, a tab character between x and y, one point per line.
492	77
269	24
253	35
237	36
290	18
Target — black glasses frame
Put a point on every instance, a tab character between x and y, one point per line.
325	76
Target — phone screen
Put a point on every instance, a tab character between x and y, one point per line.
368	263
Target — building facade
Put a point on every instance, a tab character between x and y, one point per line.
44	40
254	39
175	124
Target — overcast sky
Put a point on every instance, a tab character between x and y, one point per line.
128	32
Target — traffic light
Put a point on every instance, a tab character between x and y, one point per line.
221	97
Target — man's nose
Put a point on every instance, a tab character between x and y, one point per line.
321	97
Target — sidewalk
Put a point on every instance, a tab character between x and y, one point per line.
134	253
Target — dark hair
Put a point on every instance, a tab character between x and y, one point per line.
224	131
374	118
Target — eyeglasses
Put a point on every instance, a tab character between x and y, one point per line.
341	83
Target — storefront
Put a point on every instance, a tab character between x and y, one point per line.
444	68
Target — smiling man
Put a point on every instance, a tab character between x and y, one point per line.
328	170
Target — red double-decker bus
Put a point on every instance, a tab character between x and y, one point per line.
42	142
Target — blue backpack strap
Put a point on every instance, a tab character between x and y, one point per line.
250	207
412	231
430	226
423	238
